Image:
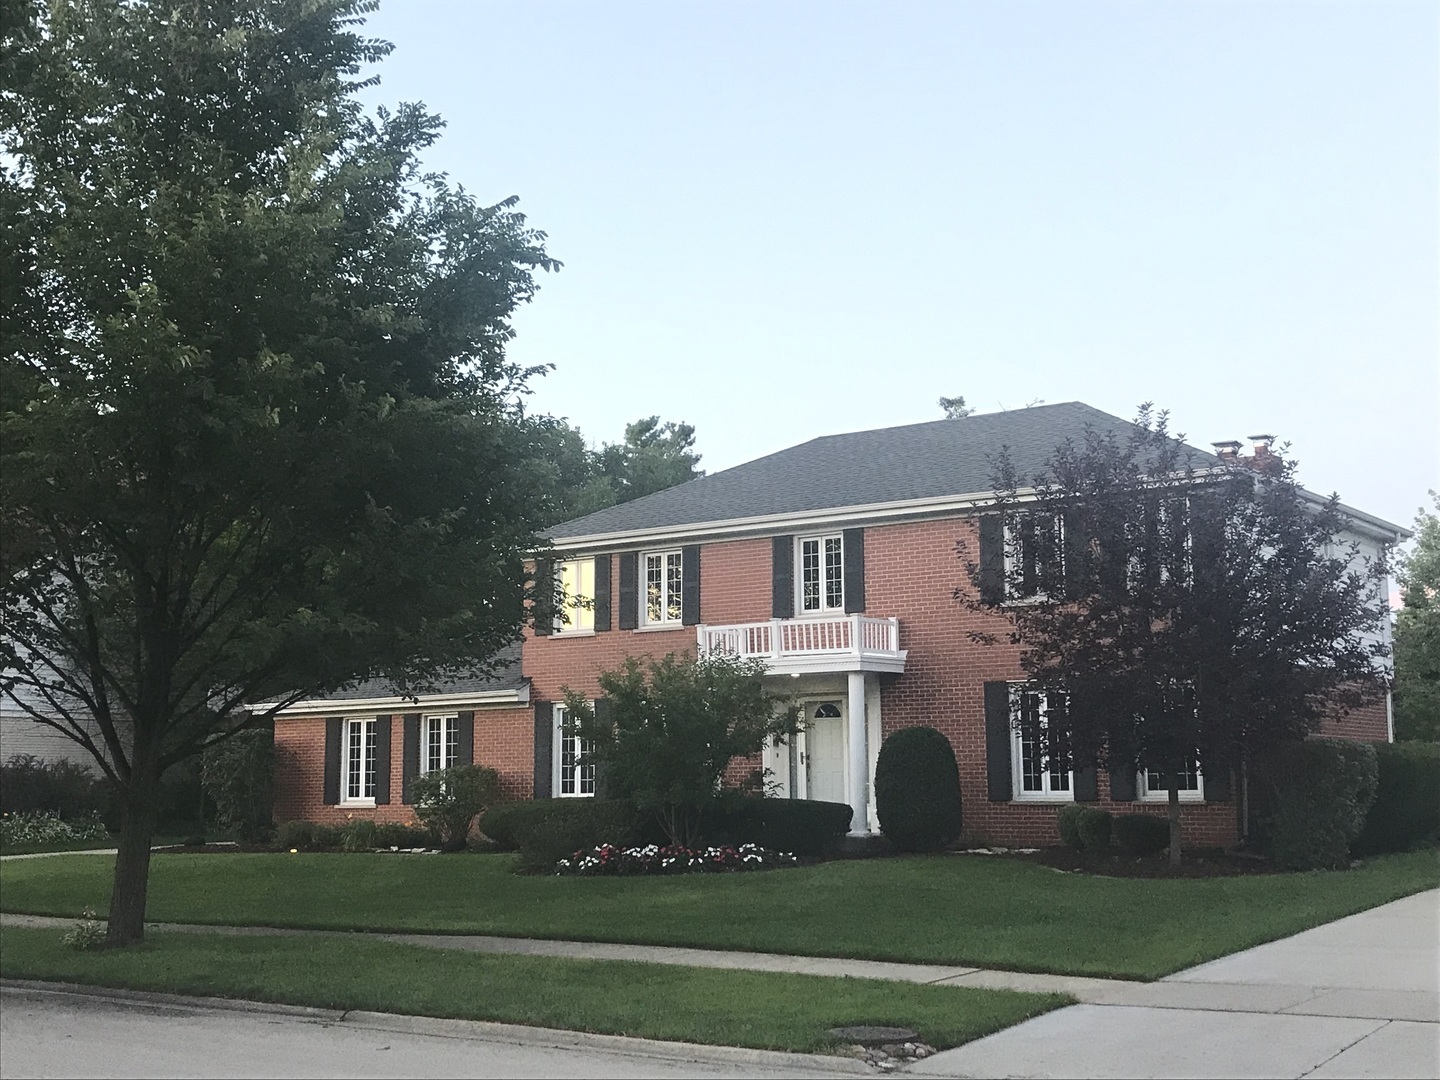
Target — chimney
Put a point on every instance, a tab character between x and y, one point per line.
1227	451
1264	459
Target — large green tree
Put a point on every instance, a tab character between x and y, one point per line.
259	434
1417	634
1171	608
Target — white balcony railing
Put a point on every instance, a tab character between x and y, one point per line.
840	643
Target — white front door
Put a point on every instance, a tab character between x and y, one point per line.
825	751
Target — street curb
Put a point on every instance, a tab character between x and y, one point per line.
479	1030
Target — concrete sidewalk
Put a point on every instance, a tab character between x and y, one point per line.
1359	997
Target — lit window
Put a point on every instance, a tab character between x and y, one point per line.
440	742
662	587
359	760
822	573
1040	772
577	611
575	775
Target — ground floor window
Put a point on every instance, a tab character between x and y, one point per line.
575	775
440	738
359	777
1191	785
1040	771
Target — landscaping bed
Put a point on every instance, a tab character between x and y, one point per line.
654	1001
1199	863
973	911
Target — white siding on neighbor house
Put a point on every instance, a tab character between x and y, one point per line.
19	734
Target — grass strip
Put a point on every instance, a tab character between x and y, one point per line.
964	910
653	1001
63	845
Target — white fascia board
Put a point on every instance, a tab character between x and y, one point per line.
395	703
769	523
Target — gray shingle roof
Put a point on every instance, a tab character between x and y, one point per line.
506	677
917	461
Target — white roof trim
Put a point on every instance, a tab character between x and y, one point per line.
395	703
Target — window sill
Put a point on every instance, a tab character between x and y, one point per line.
358	804
1163	798
1050	800
656	627
572	633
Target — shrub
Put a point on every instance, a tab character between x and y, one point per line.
358	835
238	774
395	835
1406	811
63	789
449	800
306	836
1094	827
607	861
1141	834
1067	822
1322	790
40	829
87	935
917	790
794	826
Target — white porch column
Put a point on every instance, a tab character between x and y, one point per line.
857	776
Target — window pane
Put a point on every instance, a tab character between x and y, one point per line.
834	574
672	586
354	751
452	741
369	789
654	587
810	575
432	745
577	578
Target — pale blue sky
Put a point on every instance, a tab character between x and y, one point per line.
783	220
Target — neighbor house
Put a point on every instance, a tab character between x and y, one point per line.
836	562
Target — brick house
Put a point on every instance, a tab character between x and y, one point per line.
836	562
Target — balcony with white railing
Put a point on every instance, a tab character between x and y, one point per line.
793	646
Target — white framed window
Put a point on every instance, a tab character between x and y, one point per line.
1035	557
574	777
1151	786
821	581
439	743
1167	524
577	611
358	762
1037	775
660	604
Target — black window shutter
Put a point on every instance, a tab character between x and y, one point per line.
1087	785
997	741
782	578
544	597
602	592
544	748
690	585
409	756
1122	782
992	559
1217	783
465	740
629	614
852	543
333	727
382	760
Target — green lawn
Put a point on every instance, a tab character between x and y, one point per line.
62	845
950	909
654	1001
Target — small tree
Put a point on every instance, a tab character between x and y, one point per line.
955	408
1417	635
665	732
449	800
1183	610
238	774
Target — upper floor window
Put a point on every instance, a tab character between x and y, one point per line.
440	743
1035	557
574	775
1040	771
822	573
663	579
577	610
358	781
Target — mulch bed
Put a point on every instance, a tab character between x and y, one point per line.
1198	863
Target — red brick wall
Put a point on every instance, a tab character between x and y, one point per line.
504	741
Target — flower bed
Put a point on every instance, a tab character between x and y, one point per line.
25	829
609	861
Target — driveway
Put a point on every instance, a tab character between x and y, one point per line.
1355	998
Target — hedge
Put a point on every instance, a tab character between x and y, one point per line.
1406	811
1321	791
917	790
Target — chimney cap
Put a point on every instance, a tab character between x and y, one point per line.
1266	439
1232	445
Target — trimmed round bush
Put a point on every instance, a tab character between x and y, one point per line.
1094	827
1141	834
1406	811
1067	823
917	790
1322	790
449	800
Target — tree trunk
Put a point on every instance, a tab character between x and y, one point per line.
1174	806
132	862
